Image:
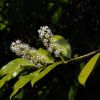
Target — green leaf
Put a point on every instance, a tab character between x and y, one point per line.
61	45
23	80
66	1
2	3
20	83
9	76
12	69
71	93
15	66
73	90
57	16
88	68
44	72
50	5
2	26
4	79
43	56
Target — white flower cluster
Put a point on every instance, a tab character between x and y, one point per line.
45	34
22	49
25	51
53	46
36	61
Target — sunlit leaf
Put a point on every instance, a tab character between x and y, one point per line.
11	70
88	68
14	65
9	76
43	56
20	83
4	79
44	72
61	45
23	80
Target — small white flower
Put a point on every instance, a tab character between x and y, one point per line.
47	36
18	41
39	65
13	43
56	53
45	40
50	49
32	50
45	44
45	32
44	28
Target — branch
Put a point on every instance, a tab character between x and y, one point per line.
82	57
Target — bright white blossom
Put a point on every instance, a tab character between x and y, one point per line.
45	34
56	53
21	49
39	65
25	51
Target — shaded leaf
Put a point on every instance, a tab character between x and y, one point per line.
2	26
71	93
2	3
73	90
82	64
88	68
50	5
57	16
66	1
23	80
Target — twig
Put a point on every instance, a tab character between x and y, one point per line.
82	57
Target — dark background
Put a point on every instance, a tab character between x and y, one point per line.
76	20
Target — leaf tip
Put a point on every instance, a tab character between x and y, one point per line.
32	84
81	81
10	97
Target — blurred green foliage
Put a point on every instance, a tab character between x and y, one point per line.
77	20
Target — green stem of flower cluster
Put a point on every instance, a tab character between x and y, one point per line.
82	57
